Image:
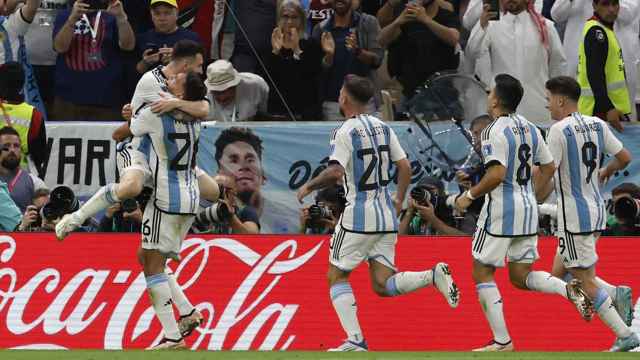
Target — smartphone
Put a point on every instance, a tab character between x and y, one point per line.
97	4
415	2
154	48
494	6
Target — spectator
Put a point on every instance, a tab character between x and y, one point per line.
626	27
9	212
349	40
525	45
601	69
125	216
15	22
89	67
474	12
22	117
386	12
223	31
235	96
31	219
322	217
256	20
625	210
155	46
21	184
422	40
295	64
317	12
428	213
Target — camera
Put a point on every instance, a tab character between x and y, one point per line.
494	6
424	197
627	209
217	213
97	4
319	211
129	205
62	201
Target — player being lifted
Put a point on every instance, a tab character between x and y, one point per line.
577	143
362	151
508	223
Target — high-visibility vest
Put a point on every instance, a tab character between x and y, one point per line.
614	74
20	116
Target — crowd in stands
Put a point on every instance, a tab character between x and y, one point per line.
285	60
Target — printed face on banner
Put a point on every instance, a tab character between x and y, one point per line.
241	161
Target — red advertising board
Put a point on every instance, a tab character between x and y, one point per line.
270	292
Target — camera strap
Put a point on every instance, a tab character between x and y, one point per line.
93	29
13	182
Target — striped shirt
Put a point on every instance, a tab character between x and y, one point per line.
366	147
511	208
578	144
172	160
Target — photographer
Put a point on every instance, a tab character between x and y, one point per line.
625	208
428	213
47	209
31	218
321	217
125	216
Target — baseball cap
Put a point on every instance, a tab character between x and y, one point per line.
173	3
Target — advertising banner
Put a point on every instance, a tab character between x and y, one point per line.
271	293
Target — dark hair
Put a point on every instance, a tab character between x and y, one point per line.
184	49
8	130
627	188
359	88
40	192
194	88
611	1
11	81
565	86
509	91
480	119
233	134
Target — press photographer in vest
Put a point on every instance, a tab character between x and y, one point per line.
601	68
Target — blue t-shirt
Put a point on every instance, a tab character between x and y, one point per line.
85	79
152	38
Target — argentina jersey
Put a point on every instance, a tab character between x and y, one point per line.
366	147
172	160
578	144
148	89
511	208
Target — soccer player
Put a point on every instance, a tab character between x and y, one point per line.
362	151
577	143
508	223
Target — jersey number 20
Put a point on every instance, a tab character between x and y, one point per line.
176	164
373	159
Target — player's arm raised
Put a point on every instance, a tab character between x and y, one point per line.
329	176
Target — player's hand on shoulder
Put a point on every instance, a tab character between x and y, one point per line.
166	104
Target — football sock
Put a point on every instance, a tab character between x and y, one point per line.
179	298
544	282
345	305
408	281
105	197
160	294
491	302
609	315
610	289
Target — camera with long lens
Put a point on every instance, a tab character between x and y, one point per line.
627	209
424	196
218	213
129	205
62	201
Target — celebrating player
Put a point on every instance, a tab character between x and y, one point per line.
508	223
576	142
362	151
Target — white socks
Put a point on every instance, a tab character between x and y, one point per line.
408	281
160	293
610	289
345	305
179	298
491	302
105	197
544	282
609	315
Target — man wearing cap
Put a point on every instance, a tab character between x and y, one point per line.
235	96
155	45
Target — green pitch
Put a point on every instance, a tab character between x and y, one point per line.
225	355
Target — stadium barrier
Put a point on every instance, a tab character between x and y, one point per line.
270	292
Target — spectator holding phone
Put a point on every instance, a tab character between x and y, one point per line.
155	46
88	39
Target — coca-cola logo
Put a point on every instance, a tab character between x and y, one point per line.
54	302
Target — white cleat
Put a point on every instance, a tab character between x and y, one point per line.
444	283
494	346
580	299
190	322
349	345
168	344
67	224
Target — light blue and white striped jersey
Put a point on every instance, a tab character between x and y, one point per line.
511	209
578	144
366	147
172	160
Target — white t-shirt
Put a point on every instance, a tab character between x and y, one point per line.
252	95
578	143
15	26
148	89
366	147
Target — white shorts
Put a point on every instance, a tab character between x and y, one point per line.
578	251
164	232
492	250
348	249
128	158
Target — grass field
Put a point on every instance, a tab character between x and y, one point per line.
211	355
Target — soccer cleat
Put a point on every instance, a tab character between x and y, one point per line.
188	323
444	283
494	346
579	298
626	344
624	304
168	344
349	345
67	224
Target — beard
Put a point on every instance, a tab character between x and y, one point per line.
246	196
10	163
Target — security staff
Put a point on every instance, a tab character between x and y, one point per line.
601	68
